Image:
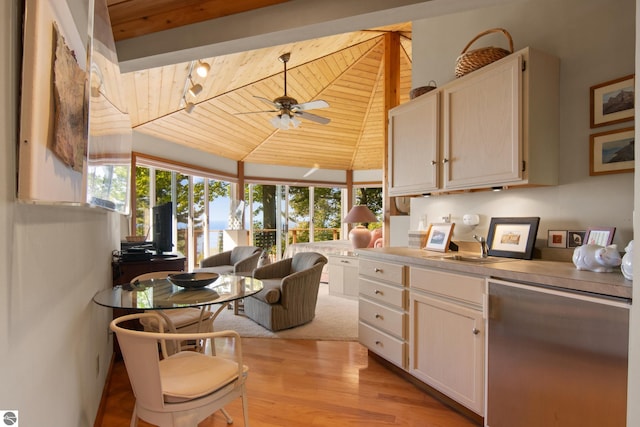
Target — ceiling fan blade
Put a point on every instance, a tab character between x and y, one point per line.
311	105
268	101
313	117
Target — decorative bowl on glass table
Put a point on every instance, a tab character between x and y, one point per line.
193	280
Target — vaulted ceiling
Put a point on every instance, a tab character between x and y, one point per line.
346	70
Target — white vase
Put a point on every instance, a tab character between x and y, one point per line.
627	262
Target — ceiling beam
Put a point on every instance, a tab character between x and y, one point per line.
288	22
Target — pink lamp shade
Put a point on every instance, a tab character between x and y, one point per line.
360	237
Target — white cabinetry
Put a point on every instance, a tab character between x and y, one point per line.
382	326
446	334
499	127
413	155
343	275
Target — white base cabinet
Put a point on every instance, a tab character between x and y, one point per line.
446	334
343	275
382	326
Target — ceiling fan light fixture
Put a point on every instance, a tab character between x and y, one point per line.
203	69
285	121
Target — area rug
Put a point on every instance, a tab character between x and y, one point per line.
336	320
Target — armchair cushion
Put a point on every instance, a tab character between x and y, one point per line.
188	375
271	291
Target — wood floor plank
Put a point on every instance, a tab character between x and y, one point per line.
312	384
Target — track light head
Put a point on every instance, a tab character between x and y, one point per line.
195	89
202	69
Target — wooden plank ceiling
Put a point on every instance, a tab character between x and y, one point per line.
346	70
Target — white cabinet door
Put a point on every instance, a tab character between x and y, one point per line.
343	275
413	146
447	349
482	127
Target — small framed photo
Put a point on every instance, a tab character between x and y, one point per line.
575	238
602	236
557	239
512	237
439	237
612	152
613	101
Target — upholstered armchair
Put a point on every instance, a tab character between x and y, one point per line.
241	259
290	292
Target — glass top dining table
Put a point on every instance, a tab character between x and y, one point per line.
161	294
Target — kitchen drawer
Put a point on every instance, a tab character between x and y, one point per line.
382	317
379	270
386	294
457	286
343	261
390	348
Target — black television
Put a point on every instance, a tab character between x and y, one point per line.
163	228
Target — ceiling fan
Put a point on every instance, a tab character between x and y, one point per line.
289	109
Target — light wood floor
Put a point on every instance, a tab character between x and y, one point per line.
310	383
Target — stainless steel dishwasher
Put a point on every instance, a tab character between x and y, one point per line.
555	358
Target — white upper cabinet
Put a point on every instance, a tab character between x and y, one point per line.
414	151
497	126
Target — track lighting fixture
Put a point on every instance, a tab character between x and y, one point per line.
195	88
189	106
192	88
202	69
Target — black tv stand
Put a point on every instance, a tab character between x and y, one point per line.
164	256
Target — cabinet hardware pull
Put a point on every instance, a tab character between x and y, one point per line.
378	343
475	331
433	163
445	161
344	261
377	292
378	316
377	270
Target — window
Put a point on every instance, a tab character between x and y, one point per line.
282	215
202	207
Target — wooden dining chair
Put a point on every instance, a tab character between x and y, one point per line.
184	388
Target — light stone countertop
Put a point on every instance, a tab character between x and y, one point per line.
552	273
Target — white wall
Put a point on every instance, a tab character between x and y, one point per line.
52	261
595	41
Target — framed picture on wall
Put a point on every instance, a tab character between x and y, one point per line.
512	237
612	152
613	101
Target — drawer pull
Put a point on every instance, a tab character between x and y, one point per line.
475	331
378	342
377	292
377	270
344	261
378	316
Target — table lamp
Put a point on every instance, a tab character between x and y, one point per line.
360	236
